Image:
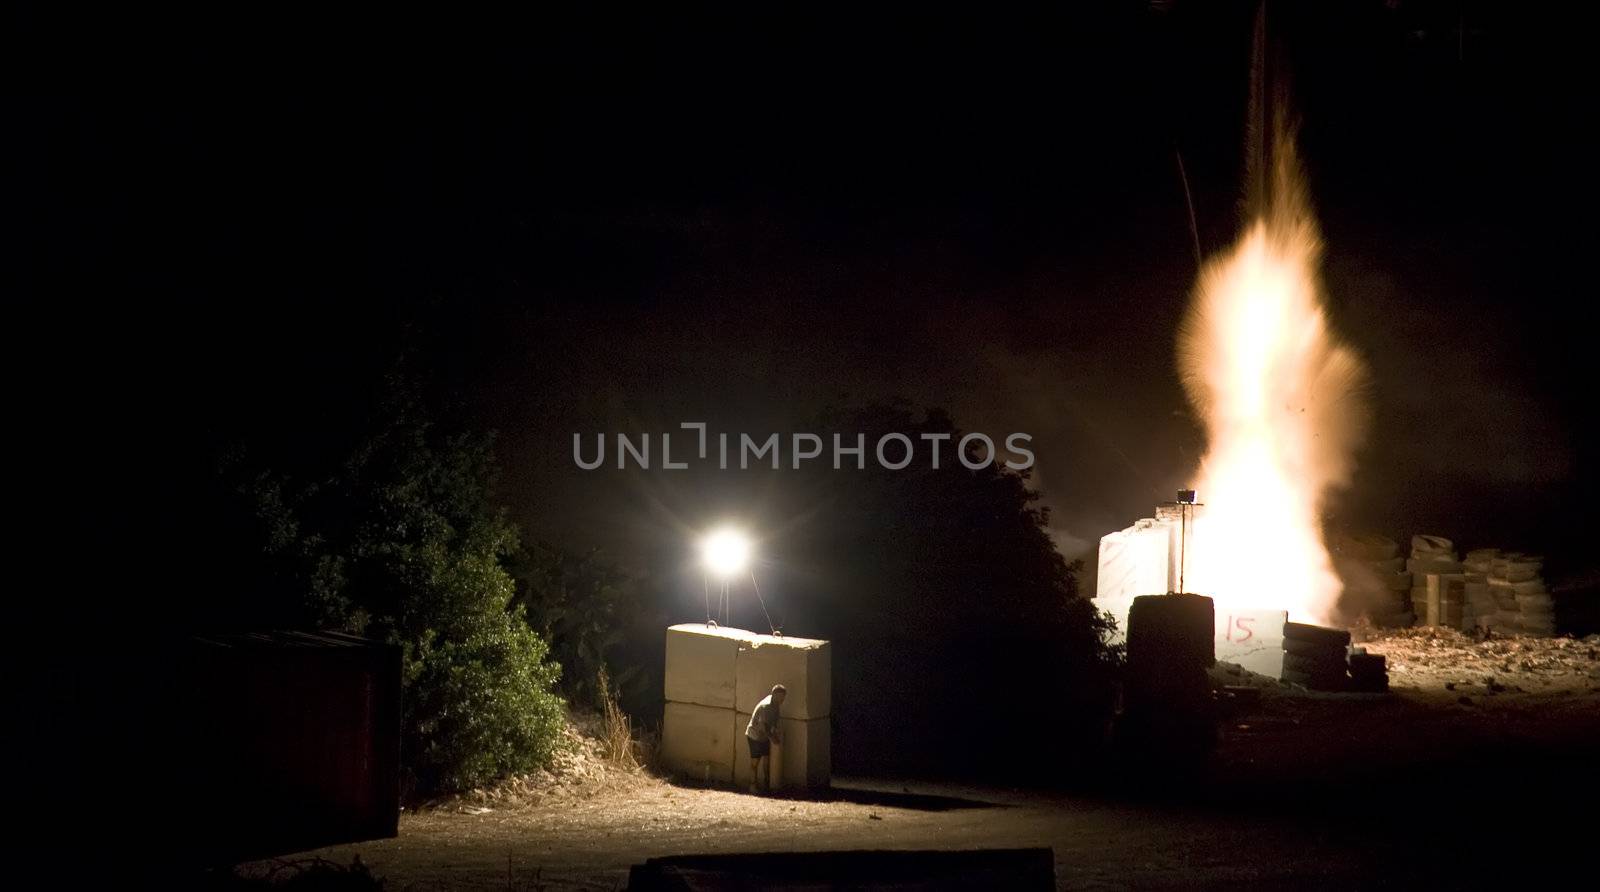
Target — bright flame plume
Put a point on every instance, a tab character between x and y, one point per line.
1281	400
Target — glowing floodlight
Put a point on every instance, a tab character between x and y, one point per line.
726	553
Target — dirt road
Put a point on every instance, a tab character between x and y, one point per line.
1441	783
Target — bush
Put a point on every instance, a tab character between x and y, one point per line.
480	707
401	542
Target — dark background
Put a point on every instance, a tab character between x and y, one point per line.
232	228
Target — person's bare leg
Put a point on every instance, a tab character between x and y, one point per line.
755	775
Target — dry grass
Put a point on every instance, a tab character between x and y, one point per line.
617	742
599	756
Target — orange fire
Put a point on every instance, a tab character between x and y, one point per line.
1281	399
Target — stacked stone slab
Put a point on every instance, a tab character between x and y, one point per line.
714	678
1315	657
1483	608
1444	598
1376	577
1524	605
1438	584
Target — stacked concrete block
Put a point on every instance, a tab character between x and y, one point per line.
801	665
714	678
1482	607
1438	584
1252	639
700	742
805	758
1441	600
1480	560
1133	562
701	664
1315	657
1143	560
1507	617
804	667
1375	578
698	737
1525	605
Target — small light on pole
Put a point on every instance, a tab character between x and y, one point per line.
1186	503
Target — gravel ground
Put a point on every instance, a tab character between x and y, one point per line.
1463	776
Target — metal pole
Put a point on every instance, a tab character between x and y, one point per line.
1183	545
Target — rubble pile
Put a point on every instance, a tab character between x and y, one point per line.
1463	665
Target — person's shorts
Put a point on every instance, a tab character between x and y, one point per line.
758	748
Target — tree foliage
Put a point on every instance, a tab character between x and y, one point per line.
950	607
586	605
401	542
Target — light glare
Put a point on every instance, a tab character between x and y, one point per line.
725	552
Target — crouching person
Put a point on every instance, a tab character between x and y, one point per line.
761	734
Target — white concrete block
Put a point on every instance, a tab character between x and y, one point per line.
807	753
698	741
1251	638
1135	561
802	665
701	663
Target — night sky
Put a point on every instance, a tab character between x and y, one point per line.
626	223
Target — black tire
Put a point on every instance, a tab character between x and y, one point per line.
1313	650
1362	663
1323	635
1313	665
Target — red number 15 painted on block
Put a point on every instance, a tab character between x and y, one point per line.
1241	624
